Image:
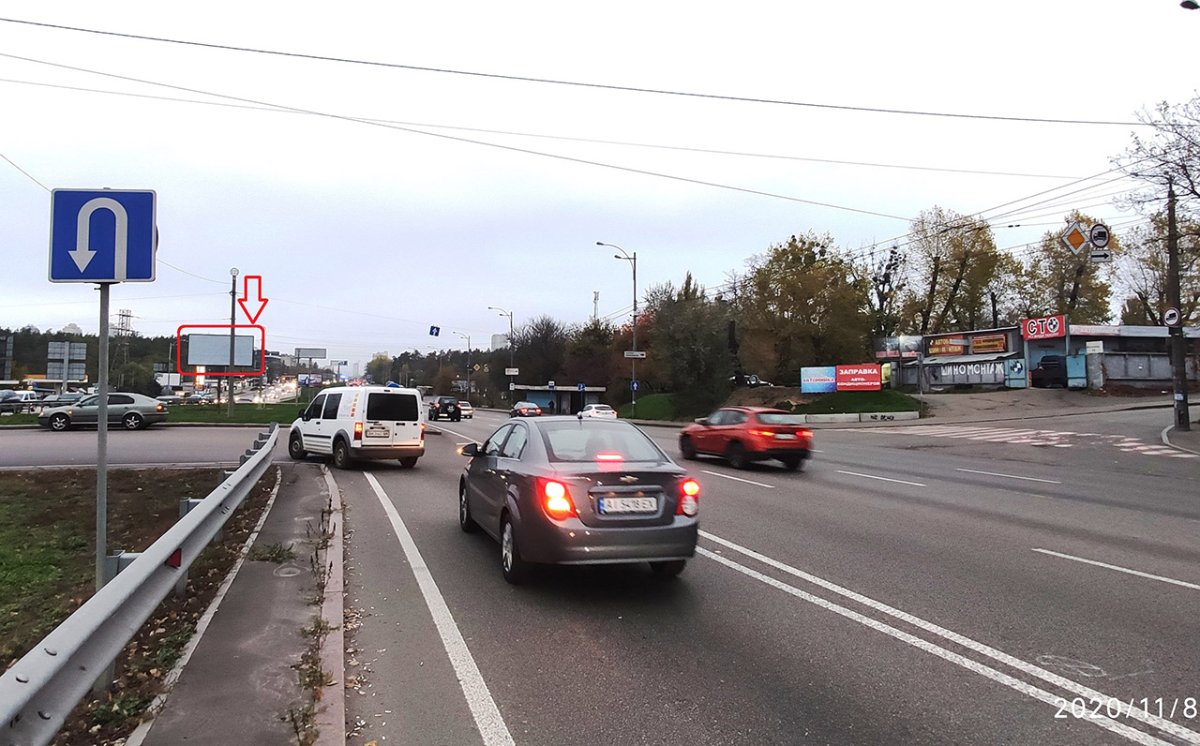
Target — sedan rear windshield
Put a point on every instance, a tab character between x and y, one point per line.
778	418
393	407
597	441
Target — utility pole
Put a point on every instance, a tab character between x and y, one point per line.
1178	358
595	305
232	339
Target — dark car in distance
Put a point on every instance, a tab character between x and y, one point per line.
576	491
1051	370
745	434
525	409
445	406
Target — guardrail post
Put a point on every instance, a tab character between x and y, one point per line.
186	504
113	565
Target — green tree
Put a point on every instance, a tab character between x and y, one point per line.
800	304
1142	271
955	265
687	333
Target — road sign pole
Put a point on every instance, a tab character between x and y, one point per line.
102	443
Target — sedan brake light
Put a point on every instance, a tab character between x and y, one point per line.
555	499
689	498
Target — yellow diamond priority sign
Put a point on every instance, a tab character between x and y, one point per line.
1075	237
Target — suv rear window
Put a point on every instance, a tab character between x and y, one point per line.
392	407
779	418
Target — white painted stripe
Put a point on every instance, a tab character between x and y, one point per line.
456	434
1118	568
738	479
998	655
487	716
139	734
975	667
1010	476
882	479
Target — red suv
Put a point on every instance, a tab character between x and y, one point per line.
745	434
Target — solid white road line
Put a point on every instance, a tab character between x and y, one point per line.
1013	683
1127	711
1118	568
456	433
1010	476
487	716
882	479
738	479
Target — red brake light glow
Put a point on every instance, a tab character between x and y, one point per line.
609	456
689	498
556	501
358	427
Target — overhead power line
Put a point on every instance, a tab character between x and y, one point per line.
573	83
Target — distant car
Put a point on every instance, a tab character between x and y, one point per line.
130	411
525	409
1051	370
746	434
444	406
58	400
19	401
170	399
564	490
602	411
749	379
468	411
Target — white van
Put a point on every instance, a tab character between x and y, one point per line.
361	422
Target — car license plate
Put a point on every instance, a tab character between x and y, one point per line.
610	505
785	436
378	431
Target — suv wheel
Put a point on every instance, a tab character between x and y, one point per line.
687	448
736	454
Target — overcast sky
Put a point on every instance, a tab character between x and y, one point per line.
378	199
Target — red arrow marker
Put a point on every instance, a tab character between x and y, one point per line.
258	303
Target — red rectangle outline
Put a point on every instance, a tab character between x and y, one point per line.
262	349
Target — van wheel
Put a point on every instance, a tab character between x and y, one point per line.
296	447
341	455
465	521
409	462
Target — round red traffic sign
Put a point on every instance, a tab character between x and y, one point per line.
1098	235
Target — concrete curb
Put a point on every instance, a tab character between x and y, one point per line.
331	713
1167	441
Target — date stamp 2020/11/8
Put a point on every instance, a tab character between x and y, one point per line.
1167	708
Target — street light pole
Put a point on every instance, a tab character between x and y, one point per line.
509	314
633	360
468	338
233	273
1178	356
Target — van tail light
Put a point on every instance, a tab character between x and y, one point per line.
555	499
358	431
423	426
689	498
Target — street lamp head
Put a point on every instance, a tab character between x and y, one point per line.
1189	4
233	271
617	256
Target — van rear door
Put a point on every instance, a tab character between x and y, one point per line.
393	417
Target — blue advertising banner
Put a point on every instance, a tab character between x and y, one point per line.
822	380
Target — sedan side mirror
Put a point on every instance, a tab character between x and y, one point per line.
470	449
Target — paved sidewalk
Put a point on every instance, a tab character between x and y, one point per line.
242	679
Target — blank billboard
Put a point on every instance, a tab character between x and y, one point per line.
213	349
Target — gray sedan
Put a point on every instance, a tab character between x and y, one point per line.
130	411
569	490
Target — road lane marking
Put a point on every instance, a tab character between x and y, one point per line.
1013	683
487	715
456	434
1010	476
739	479
1118	568
882	479
998	655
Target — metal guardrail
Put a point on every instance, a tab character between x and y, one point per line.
40	690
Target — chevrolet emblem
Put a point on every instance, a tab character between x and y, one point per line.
629	479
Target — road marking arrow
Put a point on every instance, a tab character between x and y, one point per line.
258	303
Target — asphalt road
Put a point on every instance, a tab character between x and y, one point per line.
906	588
1033	582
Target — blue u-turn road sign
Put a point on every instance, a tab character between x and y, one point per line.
102	235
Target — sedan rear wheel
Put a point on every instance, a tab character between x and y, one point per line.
516	570
60	422
668	568
736	454
133	421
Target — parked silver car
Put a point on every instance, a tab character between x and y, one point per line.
130	411
576	491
